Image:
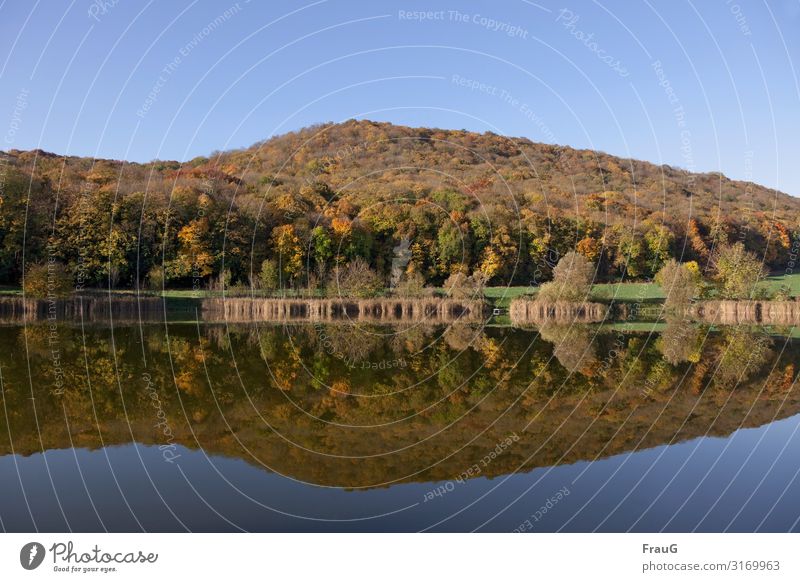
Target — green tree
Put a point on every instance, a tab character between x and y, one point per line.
742	354
630	256
449	247
321	248
269	277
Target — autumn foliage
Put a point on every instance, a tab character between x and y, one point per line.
309	203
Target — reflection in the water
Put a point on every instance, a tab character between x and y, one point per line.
573	346
365	406
680	341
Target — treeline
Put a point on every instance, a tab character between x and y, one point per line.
409	204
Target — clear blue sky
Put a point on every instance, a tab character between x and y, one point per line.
173	80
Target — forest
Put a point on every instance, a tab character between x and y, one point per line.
412	204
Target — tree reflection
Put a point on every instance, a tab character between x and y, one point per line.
681	340
573	346
435	401
741	354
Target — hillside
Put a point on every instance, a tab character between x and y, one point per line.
327	194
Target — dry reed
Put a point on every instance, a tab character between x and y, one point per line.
17	310
747	312
388	310
525	311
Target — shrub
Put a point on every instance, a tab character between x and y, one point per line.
784	293
222	282
156	278
679	282
355	279
50	279
412	285
572	280
460	286
737	272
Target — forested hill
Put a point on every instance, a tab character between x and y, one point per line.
327	194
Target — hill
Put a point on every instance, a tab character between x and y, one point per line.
328	194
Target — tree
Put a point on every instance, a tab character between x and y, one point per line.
269	278
737	272
110	221
694	233
289	250
681	341
195	256
742	354
411	285
572	346
589	247
572	280
630	252
450	247
679	282
356	279
222	282
321	248
155	278
500	255
460	286
659	240
47	280
16	226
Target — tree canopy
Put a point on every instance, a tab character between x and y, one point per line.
312	201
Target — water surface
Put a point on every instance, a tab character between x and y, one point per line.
359	427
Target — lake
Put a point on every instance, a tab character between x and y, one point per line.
353	426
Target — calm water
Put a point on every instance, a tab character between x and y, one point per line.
343	427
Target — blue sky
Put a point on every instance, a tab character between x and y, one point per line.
708	86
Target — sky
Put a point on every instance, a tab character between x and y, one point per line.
706	86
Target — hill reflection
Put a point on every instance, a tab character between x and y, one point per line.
362	406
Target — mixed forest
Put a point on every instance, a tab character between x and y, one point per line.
387	201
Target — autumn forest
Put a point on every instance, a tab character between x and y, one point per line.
289	211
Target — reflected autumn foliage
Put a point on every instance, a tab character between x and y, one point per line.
353	406
680	341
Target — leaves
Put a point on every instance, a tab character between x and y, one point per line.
327	195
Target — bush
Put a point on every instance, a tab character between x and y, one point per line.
412	285
222	282
784	293
680	282
356	279
572	280
737	272
47	280
156	278
460	286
